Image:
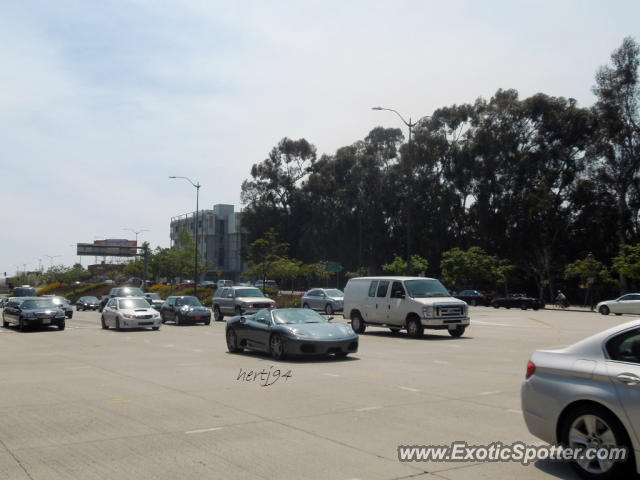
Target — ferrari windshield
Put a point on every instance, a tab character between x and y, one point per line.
133	303
297	315
249	292
426	288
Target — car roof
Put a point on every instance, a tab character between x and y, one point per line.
393	278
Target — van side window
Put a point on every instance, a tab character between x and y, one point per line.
372	288
397	291
383	286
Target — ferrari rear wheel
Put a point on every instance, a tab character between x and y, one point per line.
276	348
232	342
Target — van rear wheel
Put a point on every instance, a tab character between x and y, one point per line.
357	323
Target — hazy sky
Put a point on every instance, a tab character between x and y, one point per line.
101	101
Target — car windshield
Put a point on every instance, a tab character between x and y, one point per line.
298	315
249	292
60	300
90	299
32	304
426	288
334	293
153	296
130	292
191	301
133	303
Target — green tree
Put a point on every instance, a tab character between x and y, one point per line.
628	261
467	268
264	253
590	273
397	266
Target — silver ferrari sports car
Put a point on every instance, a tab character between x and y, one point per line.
586	397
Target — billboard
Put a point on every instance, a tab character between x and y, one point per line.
113	247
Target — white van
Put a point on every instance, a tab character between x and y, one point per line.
414	303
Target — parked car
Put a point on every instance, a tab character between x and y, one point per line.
270	284
586	395
24	291
121	292
3	301
518	301
208	284
154	300
474	297
129	312
87	303
182	309
629	303
290	331
62	303
224	283
239	301
328	300
414	303
30	311
186	283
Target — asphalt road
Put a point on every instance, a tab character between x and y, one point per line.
87	404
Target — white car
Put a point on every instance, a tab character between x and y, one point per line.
130	312
629	303
414	303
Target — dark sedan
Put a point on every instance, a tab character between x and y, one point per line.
64	304
522	302
474	297
184	309
87	303
290	331
33	311
154	300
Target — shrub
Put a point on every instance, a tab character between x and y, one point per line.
51	288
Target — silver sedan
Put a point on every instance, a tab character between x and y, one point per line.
629	303
588	396
328	300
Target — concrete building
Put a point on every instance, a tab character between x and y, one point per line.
221	239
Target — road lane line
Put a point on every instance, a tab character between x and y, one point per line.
331	374
513	410
490	393
123	400
542	322
479	322
408	389
203	430
367	409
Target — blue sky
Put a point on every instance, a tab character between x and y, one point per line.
101	101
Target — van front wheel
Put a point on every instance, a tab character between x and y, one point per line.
415	328
357	323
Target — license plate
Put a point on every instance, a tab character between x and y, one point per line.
46	321
197	317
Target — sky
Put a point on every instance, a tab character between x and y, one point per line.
100	102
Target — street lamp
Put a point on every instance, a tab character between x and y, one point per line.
195	263
409	124
51	257
136	232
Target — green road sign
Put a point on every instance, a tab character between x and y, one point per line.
333	267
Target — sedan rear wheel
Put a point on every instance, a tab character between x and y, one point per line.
21	325
176	319
118	323
593	427
276	348
604	310
328	309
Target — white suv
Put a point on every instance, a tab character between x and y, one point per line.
414	303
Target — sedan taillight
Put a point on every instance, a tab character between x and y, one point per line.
531	368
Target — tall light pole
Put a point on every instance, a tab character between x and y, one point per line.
409	200
51	257
195	263
136	232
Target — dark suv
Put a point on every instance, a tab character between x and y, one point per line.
24	291
121	292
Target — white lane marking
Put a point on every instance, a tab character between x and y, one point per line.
78	368
478	322
408	389
513	410
331	374
441	362
490	393
367	409
203	430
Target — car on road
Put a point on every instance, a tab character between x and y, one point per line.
183	309
154	300
629	303
62	303
121	292
24	291
87	303
224	283
414	303
239	301
129	312
33	311
208	284
517	301
328	300
290	332
474	297
588	395
270	284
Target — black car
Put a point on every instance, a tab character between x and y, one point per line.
184	309
518	301
28	311
154	300
120	292
62	303
474	297
290	331
87	303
